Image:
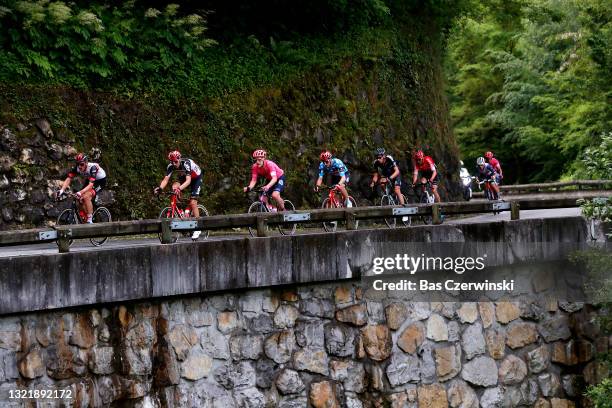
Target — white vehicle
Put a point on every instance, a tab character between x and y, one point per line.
466	181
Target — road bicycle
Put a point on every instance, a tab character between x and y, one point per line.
74	216
389	198
260	206
175	210
425	196
335	200
489	193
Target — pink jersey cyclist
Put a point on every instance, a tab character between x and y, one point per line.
268	171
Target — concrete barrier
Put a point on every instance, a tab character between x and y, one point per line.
31	283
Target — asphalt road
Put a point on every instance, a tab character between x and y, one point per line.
114	243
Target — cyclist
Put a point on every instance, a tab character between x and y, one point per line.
339	174
484	171
271	172
495	164
425	168
189	174
387	169
96	181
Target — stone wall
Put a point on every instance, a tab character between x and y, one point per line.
319	345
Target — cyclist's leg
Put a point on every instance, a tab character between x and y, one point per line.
196	185
434	188
88	205
280	203
398	191
494	187
343	190
276	191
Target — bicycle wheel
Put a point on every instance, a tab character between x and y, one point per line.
406	220
256	207
354	205
425	199
100	215
167	213
385	201
67	217
288	229
329	226
203	213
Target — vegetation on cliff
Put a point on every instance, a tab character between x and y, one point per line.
219	82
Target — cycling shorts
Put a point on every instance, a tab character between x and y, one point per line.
98	185
196	185
278	186
427	175
336	179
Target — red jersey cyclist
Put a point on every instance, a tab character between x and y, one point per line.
96	180
190	175
425	168
339	174
495	164
273	174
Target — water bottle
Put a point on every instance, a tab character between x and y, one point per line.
187	213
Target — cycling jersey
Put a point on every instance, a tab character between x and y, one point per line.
485	173
426	165
186	167
494	162
269	170
386	168
92	171
337	168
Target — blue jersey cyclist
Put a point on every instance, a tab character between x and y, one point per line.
338	171
189	175
486	172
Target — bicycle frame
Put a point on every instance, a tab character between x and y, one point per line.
333	191
177	212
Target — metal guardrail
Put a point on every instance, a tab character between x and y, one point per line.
579	184
260	221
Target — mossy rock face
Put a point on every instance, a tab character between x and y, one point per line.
350	107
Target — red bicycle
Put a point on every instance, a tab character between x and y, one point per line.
335	200
175	211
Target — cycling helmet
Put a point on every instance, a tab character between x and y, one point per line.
480	161
419	155
259	154
489	155
81	157
379	152
174	155
325	156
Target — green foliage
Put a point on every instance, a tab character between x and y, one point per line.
597	160
601	394
98	45
532	82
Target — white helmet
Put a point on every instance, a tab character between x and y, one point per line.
480	161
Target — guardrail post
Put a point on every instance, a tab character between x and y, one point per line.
515	210
435	214
351	223
63	240
262	226
166	231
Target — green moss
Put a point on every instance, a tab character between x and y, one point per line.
384	89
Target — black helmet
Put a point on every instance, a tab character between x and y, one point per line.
379	152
